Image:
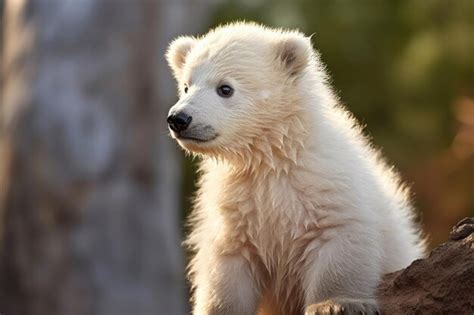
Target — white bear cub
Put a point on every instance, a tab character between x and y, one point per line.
296	212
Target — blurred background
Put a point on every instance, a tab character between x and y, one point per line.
94	193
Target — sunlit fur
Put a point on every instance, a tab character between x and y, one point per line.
294	205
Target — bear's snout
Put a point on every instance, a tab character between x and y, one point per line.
179	121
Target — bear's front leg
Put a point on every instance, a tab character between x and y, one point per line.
342	276
343	306
224	285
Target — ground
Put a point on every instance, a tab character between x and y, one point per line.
439	284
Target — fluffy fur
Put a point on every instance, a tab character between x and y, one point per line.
294	206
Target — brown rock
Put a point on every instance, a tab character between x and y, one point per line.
442	283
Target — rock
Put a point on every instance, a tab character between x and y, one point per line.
442	283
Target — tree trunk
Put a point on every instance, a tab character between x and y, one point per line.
89	181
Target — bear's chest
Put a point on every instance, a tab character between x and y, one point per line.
273	220
271	217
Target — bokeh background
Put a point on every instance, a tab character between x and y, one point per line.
93	192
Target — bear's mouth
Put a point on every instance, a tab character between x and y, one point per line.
195	139
197	134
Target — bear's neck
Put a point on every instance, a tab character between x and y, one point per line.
276	151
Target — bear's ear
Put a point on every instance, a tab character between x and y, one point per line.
294	52
177	52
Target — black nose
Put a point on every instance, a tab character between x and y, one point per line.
179	121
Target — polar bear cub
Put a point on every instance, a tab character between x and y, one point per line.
295	212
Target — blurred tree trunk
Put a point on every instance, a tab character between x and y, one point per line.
88	178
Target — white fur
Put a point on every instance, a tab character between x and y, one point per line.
294	206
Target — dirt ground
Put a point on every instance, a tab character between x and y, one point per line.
442	283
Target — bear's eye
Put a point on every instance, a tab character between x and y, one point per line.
185	89
225	91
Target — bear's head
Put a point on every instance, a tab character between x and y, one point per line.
238	85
